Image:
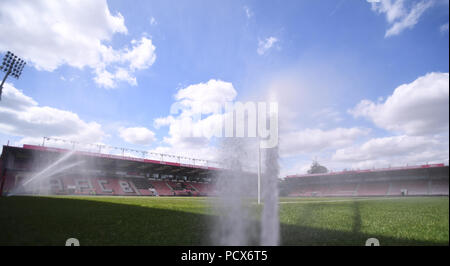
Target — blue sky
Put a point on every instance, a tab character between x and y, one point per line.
321	58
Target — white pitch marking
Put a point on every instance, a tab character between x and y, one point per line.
343	200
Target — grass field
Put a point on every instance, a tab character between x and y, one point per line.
51	220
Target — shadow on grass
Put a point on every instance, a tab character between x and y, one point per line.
51	221
307	236
296	235
356	217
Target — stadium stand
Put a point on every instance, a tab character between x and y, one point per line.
413	180
126	176
413	187
162	188
143	186
439	187
77	185
373	189
342	189
204	189
182	188
104	175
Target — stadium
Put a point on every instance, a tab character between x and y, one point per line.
397	206
421	180
117	175
243	127
123	177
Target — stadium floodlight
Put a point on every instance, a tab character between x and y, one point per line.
11	65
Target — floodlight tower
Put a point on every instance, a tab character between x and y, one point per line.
11	65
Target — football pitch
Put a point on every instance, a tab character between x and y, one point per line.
51	220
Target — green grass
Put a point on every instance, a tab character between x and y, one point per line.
188	221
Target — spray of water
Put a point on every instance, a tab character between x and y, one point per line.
232	226
270	225
34	182
237	189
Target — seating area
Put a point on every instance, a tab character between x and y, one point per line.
393	188
175	185
373	189
8	183
134	186
99	185
141	183
416	187
183	188
312	190
342	189
204	189
439	187
162	188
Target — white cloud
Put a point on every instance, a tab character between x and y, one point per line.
300	167
317	140
137	135
22	116
163	121
248	12
418	108
378	152
195	120
395	151
211	91
444	28
418	112
108	80
410	20
123	75
206	95
265	45
394	9
328	114
204	153
187	132
53	33
153	21
399	16
142	55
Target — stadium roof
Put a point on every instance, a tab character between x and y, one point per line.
112	162
379	170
